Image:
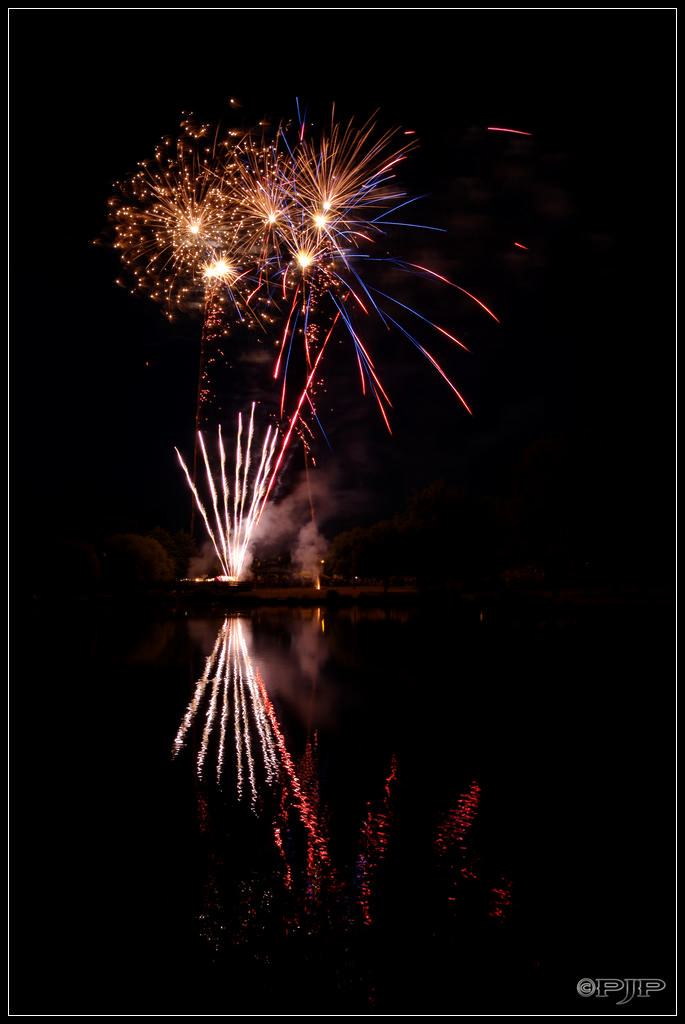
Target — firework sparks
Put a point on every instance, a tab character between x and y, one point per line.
179	224
335	200
175	218
331	201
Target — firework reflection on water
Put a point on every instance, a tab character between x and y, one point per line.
298	878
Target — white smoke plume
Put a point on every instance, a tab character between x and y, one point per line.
310	550
204	563
296	520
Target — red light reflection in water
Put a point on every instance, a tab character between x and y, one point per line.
301	792
500	899
374	839
454	829
454	837
459	820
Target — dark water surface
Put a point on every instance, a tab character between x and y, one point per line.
421	810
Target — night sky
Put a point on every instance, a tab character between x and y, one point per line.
102	387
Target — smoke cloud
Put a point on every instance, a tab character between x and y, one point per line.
296	521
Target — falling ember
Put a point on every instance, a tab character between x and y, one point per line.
232	528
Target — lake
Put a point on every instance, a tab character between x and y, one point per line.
407	808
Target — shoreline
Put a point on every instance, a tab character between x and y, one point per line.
186	597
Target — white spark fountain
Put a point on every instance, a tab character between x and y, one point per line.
233	530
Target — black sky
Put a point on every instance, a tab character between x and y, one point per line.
102	388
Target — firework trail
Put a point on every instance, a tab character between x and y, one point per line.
513	131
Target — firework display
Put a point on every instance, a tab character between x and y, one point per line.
276	234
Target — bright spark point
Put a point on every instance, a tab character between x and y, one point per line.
219	269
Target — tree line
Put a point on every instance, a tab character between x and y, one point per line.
578	508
